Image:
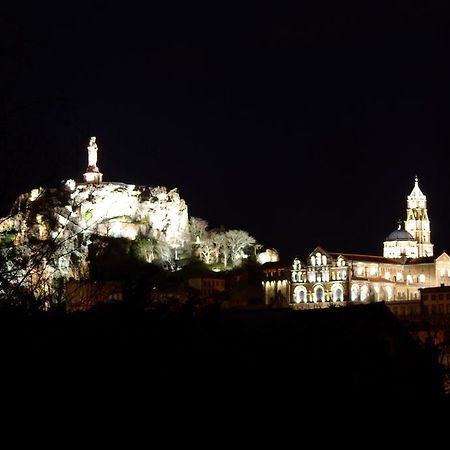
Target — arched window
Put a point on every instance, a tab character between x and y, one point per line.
313	260
421	278
318	259
318	294
338	293
388	291
324	260
364	293
294	277
300	294
355	292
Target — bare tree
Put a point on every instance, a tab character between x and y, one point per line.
206	250
198	228
237	242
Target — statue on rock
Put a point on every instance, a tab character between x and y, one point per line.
92	152
92	174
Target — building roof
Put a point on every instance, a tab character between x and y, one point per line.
368	258
400	235
422	260
276	265
441	288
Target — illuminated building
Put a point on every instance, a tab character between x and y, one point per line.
407	265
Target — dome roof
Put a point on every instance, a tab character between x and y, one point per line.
400	235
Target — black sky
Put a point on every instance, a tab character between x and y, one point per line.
300	125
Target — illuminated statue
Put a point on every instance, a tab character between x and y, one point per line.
92	152
92	174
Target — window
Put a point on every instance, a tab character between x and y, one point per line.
300	294
355	292
318	294
318	259
338	294
421	278
364	293
388	291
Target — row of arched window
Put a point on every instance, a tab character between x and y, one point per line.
357	293
318	294
314	276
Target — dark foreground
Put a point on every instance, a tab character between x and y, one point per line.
358	352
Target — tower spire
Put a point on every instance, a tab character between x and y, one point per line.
417	222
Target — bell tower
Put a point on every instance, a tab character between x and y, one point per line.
417	222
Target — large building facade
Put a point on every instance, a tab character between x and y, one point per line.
406	266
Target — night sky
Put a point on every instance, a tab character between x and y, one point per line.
301	126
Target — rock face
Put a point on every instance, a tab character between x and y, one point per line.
66	219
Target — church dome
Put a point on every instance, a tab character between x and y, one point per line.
400	235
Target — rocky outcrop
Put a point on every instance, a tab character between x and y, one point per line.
64	220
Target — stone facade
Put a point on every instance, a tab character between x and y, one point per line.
338	279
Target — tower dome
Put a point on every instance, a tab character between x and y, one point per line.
400	235
400	243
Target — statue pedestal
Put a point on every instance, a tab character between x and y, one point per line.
93	177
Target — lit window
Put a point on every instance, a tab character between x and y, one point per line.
388	291
300	294
355	292
338	295
318	259
364	293
421	278
318	294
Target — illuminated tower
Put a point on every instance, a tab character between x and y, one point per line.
92	174
417	222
